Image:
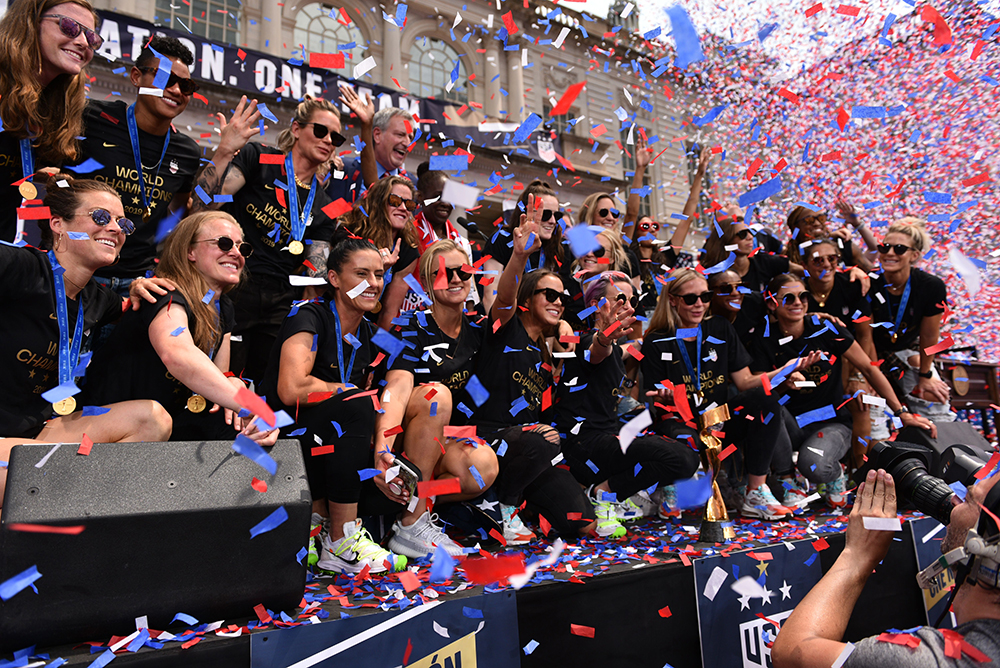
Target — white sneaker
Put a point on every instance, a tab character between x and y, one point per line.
356	549
635	507
761	503
608	525
835	491
514	531
796	490
422	538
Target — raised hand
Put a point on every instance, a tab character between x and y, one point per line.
526	239
240	128
363	108
643	154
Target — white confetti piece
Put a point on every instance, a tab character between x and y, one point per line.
365	66
882	523
714	584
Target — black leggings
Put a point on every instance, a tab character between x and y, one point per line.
662	461
526	473
260	307
334	476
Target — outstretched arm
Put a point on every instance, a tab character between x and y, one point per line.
642	157
218	177
691	205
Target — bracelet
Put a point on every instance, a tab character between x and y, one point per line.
902	409
857	377
597	337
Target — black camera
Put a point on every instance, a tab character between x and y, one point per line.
910	467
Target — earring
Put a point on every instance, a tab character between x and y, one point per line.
55	246
117	257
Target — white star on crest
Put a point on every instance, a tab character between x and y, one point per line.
766	598
744	602
786	591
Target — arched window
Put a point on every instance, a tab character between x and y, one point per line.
217	20
432	64
318	30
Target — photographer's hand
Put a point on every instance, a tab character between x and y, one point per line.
965	515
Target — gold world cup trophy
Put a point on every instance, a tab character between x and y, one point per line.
715	524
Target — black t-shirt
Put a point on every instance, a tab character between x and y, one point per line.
763	268
750	318
257	208
775	350
31	334
435	356
648	293
845	301
501	247
10	171
509	365
927	298
721	355
590	391
108	142
128	367
318	318
983	634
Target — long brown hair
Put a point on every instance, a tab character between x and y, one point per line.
52	116
368	219
589	209
664	318
64	201
525	291
715	245
553	248
175	265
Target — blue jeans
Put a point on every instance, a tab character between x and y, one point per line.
119	286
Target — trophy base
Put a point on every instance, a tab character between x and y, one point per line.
713	531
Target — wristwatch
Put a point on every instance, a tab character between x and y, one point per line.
929	374
902	409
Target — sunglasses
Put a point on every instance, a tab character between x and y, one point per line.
548	214
598	252
690	300
103	217
829	259
72	29
744	233
396	200
899	249
633	300
603	213
320	131
226	244
186	86
451	272
790	298
646	227
727	288
550	295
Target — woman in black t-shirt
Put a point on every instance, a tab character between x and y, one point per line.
319	373
176	350
819	427
385	217
688	364
515	367
653	263
755	269
741	306
608	256
50	304
587	416
422	388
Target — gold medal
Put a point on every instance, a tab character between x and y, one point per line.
146	214
295	248
196	403
28	190
893	337
64	407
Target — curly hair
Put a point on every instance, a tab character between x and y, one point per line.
368	218
51	116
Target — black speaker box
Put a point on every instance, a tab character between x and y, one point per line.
166	530
949	434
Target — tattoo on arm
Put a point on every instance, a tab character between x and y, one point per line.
211	180
317	254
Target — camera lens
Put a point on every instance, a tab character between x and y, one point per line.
908	467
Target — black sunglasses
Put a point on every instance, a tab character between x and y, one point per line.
547	215
790	298
598	252
396	200
899	249
187	86
604	212
103	217
451	272
633	300
72	29
226	244
690	300
744	233
726	288
320	131
550	295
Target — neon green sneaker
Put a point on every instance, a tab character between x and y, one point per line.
608	525
355	550
318	528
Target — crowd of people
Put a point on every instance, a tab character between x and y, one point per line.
400	350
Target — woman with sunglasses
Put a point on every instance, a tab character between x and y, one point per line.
808	225
586	412
689	361
608	256
320	371
51	305
423	388
44	47
817	422
279	204
176	350
756	270
907	307
553	254
653	263
742	307
384	216
515	365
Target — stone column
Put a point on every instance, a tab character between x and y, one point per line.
392	62
270	27
494	98
515	96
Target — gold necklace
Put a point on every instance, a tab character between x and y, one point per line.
307	186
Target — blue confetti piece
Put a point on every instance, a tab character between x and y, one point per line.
208	297
301	554
368	474
518	405
21	581
817	415
937	198
868	112
86	167
583	239
712	114
592	466
502	448
139	640
479	479
434	409
266	113
252	451
693	492
298	432
78	236
442	565
449	163
638	467
202	195
168	223
811	559
272	521
686	39
90	411
525	129
587	312
60	392
652	34
761	192
336	425
222	199
184	617
531	646
472	613
476	390
281	419
414	284
102	660
387	342
178	331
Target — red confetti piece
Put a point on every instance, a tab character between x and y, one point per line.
820	544
254	404
468	431
33	213
789	95
262	614
848	10
493	569
497	536
85	445
728	451
942	33
409	649
333	61
565	102
319	450
398	429
943	344
990	465
258	485
45	528
191	643
665	612
544	524
409	580
508	22
429	488
977	179
336	209
580	630
629	350
815	9
272	159
316	397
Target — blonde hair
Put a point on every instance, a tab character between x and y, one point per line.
429	262
665	318
619	260
915	229
589	208
303	114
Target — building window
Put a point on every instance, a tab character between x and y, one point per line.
318	30
432	63
628	165
560	123
217	20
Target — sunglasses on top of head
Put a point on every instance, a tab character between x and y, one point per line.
320	131
187	86
72	29
646	227
451	272
103	217
899	249
226	244
551	295
633	300
396	200
691	299
790	298
603	213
